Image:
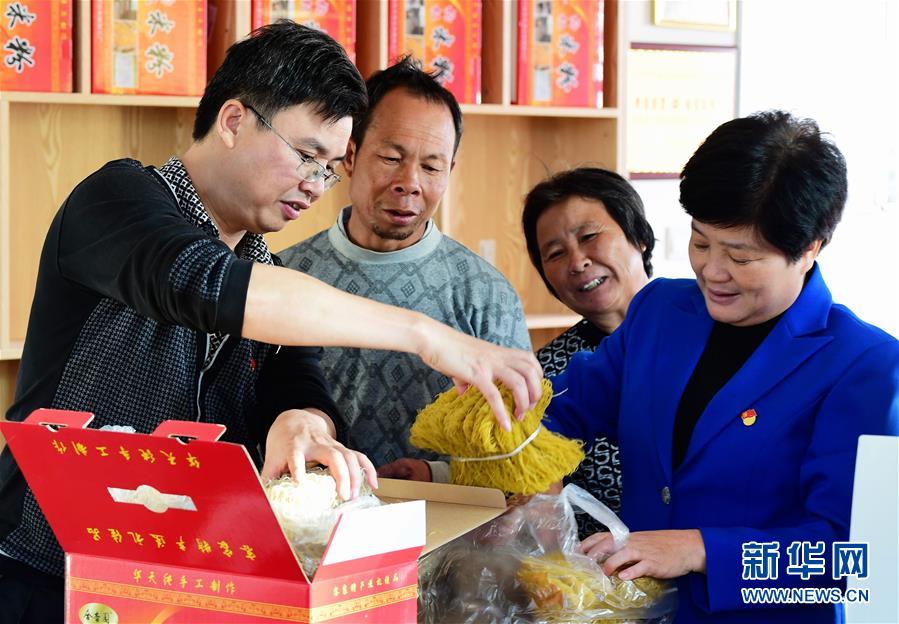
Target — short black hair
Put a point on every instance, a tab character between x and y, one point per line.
406	74
770	171
617	195
281	65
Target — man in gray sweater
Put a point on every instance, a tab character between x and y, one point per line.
385	246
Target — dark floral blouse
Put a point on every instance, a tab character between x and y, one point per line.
600	472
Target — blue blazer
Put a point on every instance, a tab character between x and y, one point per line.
817	382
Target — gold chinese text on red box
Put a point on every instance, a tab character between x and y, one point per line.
158	529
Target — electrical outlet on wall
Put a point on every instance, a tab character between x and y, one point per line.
487	250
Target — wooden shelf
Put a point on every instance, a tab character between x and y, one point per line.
174	101
50	141
99	99
514	110
552	321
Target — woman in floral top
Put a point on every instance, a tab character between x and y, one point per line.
589	240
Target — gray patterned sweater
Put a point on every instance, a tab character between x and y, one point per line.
379	392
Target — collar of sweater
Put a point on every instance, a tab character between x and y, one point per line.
338	238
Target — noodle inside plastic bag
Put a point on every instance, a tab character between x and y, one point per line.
525	566
308	509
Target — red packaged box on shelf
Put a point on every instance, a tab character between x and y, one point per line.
148	46
445	35
158	529
36	41
560	53
335	17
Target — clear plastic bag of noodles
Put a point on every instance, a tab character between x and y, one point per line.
525	566
307	508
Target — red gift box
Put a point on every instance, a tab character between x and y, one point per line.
36	43
334	17
445	36
560	52
156	528
148	47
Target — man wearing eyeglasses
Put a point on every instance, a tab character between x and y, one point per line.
157	297
386	246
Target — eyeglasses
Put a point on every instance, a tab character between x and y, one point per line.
309	169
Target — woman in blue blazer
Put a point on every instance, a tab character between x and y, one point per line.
738	398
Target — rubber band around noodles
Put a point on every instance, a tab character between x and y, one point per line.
512	453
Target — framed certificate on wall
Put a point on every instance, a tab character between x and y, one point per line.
676	96
702	14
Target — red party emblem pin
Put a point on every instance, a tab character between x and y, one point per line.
748	417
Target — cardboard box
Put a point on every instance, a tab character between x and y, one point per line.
560	52
202	544
335	17
36	43
148	46
445	35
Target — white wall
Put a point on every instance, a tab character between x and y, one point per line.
840	66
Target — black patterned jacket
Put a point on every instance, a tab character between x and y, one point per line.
136	317
600	472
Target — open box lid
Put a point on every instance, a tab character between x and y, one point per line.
211	511
452	510
199	503
418	518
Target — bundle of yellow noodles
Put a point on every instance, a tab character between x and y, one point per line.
526	460
558	586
